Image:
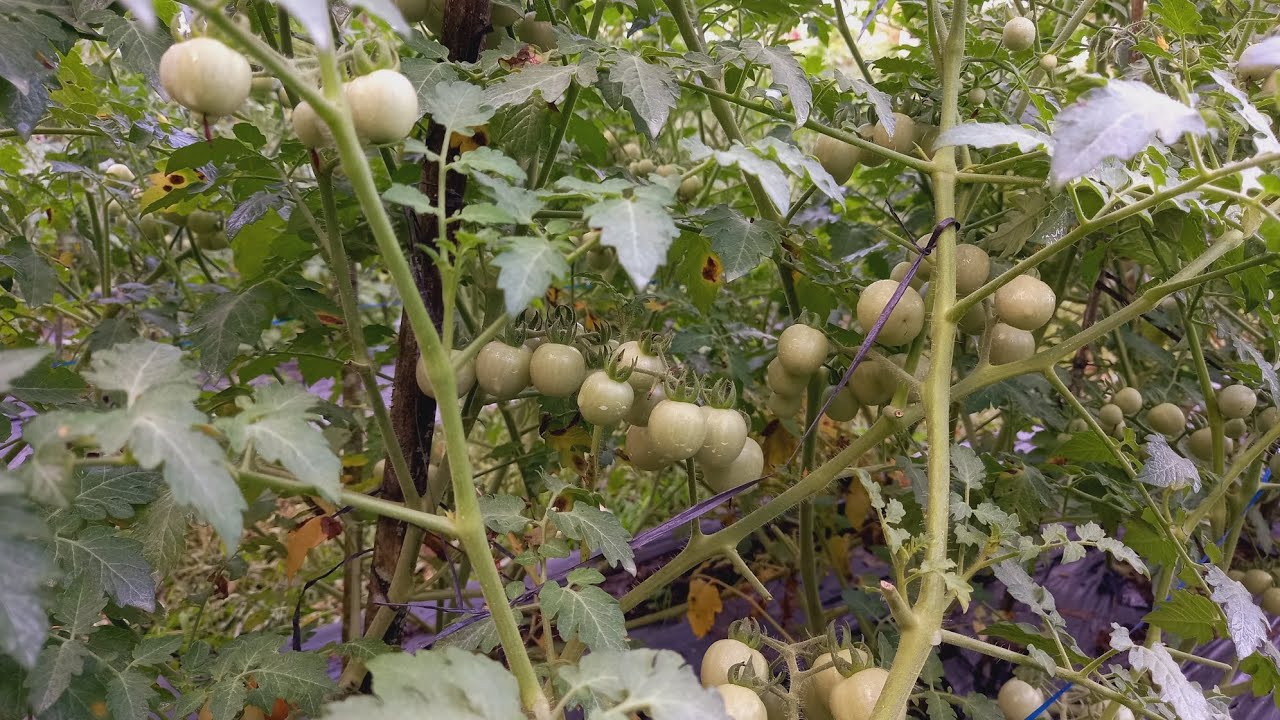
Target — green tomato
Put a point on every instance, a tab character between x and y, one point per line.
844	406
783	406
1019	34
1257	580
1167	418
1026	303
1110	415
384	106
642	167
723	655
644	404
641	452
873	382
977	96
899	272
212	241
203	222
1200	443
1268	418
903	324
677	429
802	349
118	171
726	435
464	377
629	352
1018	699
782	382
837	157
1009	344
1129	400
1274	465
742	703
866	157
539	33
308	127
205	76
1236	401
689	188
824	682
557	370
1271	601
974	321
604	401
502	370
973	267
903	139
854	697
1049	62
151	227
1235	428
748	466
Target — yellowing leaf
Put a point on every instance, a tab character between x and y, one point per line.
779	444
857	503
838	552
704	606
305	537
566	440
1162	43
161	184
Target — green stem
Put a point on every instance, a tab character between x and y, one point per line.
808	540
843	26
377	506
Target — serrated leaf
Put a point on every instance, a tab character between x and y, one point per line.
221	325
1026	591
1246	623
106	491
425	73
1188	615
1117	120
589	614
647	91
141	43
277	424
547	79
786	72
489	161
1264	139
655	682
162	530
458	106
464	686
31	272
156	650
740	242
526	268
1251	354
600	530
800	165
136	366
16	363
969	471
766	171
1087	447
481	635
80	606
129	695
110	562
410	197
26	567
503	513
1186	700
301	678
988	135
53	672
638	228
1166	468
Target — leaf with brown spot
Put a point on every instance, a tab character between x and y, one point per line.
306	536
778	445
704	606
566	440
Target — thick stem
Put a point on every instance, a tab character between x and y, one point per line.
288	486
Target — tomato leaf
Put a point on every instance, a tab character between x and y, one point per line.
647	91
463	685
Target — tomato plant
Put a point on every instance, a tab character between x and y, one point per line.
829	348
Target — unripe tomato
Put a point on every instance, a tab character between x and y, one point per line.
1129	400
854	697
837	157
726	434
844	406
1235	427
782	382
503	370
641	452
873	383
205	76
689	188
1237	575
644	405
379	470
742	703
825	681
1026	303
899	272
538	33
630	352
1009	344
557	370
974	321
1236	401
384	106
1201	444
1049	62
603	400
1271	601
151	227
870	159
1274	466
723	655
1268	418
1110	415
903	324
642	167
668	170
784	406
748	466
308	127
632	151
212	241
1019	34
1077	425
464	377
973	267
802	349
677	429
1167	418
120	172
1256	580
1018	699
904	134
977	96
203	222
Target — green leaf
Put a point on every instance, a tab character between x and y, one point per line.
226	322
46	385
647	91
598	529
410	197
301	678
1029	636
489	161
786	72
771	177
80	606
656	682
526	268
136	366
277	424
1265	676
1087	447
1143	536
589	614
425	73
53	672
1180	16
503	513
140	48
550	80
129	696
16	363
938	707
741	242
156	650
1188	615
458	106
110	563
32	273
463	686
481	636
638	228
162	530
26	568
107	491
31	33
969	471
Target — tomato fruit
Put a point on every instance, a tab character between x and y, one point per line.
503	370
1257	580
1026	303
802	349
837	157
977	96
632	151
117	171
1271	601
782	382
844	406
726	435
653	365
1019	34
723	655
384	106
873	383
867	157
668	170
557	370
1167	418
900	271
903	139
1236	401
644	404
205	76
1018	699
1274	465
308	127
1200	443
748	466
603	400
1235	427
203	222
1110	415
212	241
784	406
973	267
689	188
1129	400
151	227
677	429
640	450
742	703
1048	62
503	16
464	377
854	697
1009	344
1268	418
974	321
824	681
903	324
